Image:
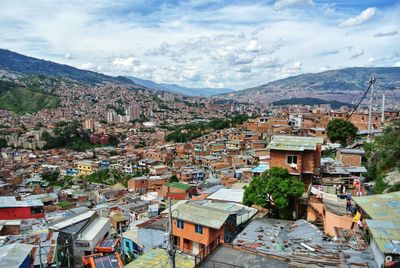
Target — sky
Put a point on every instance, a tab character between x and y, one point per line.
205	43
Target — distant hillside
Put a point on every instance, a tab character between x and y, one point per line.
310	101
179	89
21	99
343	85
21	64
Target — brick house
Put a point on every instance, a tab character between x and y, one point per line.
350	157
178	191
139	184
301	156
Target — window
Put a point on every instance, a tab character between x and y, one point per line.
291	159
198	228
37	210
179	224
127	244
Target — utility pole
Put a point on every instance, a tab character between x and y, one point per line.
171	251
372	81
383	110
40	252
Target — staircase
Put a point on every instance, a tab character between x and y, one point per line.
319	221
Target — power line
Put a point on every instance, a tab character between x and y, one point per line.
371	82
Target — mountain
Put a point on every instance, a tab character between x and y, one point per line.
344	85
179	89
22	99
20	64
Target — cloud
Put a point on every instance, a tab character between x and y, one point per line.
364	16
281	4
88	66
356	55
254	46
397	64
186	42
125	62
382	34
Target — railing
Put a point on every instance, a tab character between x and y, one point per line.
217	264
205	252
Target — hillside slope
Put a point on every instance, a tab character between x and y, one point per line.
17	63
343	85
20	99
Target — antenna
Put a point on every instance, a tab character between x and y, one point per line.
171	242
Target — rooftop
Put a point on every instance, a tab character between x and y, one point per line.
194	213
386	235
230	195
382	207
12	202
13	255
158	258
94	227
72	220
294	143
212	214
179	185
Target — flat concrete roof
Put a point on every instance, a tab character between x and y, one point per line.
225	255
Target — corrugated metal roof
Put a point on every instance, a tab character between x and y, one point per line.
12	202
13	255
294	143
158	258
201	215
386	234
382	207
230	195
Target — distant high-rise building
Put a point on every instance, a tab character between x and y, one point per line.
132	112
89	124
111	116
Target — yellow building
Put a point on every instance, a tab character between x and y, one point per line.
85	167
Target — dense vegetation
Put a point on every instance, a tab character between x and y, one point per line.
339	130
114	176
310	101
70	135
20	99
195	130
383	156
3	143
275	190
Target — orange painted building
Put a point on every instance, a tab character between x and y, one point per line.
328	215
197	229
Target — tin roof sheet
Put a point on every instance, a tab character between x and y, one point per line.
383	207
202	215
158	258
294	143
386	235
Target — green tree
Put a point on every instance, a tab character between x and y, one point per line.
3	143
341	131
275	190
173	178
383	157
